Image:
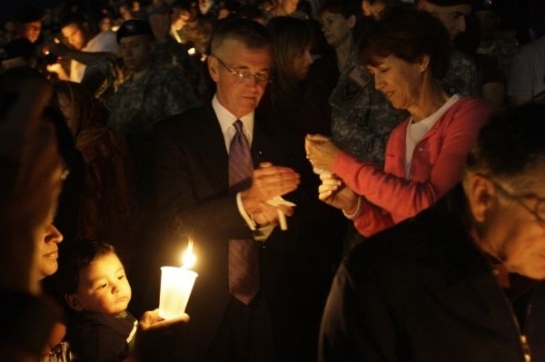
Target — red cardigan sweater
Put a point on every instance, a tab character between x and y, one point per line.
437	165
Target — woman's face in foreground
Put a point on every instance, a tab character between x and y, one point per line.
400	81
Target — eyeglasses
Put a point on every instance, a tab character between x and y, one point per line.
244	76
538	210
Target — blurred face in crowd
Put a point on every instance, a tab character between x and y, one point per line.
400	81
301	63
160	24
75	35
103	287
336	28
452	17
288	6
372	10
137	51
125	12
511	224
240	95
9	26
105	24
32	30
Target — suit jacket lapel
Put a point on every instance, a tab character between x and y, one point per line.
211	146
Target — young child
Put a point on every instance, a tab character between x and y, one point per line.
97	290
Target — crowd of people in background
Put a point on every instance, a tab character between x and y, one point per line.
394	135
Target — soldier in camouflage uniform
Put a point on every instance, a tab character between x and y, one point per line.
169	51
461	76
362	119
153	92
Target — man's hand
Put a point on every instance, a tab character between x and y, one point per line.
269	181
59	70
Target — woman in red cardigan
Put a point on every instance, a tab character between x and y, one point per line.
407	52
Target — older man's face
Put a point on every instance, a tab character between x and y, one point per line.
514	230
240	96
452	17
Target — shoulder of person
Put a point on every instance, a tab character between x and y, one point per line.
169	78
187	121
532	49
435	238
475	108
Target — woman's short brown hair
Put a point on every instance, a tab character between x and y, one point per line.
407	34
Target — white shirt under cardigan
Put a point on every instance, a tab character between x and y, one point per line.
417	130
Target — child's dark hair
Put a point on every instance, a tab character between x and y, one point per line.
77	256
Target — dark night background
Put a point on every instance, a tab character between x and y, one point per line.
512	12
510	9
9	7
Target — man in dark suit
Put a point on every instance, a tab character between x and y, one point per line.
197	199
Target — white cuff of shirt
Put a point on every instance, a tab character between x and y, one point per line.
260	234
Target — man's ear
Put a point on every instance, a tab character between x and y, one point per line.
481	194
73	302
213	68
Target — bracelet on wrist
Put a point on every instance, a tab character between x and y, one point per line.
356	213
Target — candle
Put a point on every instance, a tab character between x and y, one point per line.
176	286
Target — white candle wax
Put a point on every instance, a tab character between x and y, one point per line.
176	286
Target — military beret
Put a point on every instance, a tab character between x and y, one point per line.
134	27
158	8
451	2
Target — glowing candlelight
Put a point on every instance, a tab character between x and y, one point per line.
176	285
188	258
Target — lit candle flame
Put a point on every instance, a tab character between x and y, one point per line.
188	258
57	41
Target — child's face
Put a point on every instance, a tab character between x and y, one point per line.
103	286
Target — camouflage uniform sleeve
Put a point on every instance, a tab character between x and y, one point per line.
461	75
178	95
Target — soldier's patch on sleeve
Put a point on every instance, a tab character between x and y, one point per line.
349	90
360	76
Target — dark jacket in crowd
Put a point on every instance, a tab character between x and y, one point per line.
422	291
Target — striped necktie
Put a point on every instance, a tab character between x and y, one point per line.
243	253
